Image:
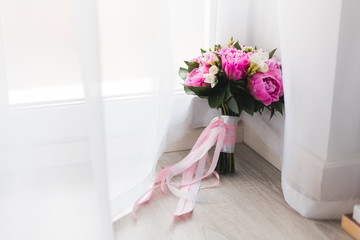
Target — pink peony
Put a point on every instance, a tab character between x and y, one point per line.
196	77
234	62
197	59
267	87
209	58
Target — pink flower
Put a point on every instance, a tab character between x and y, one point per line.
209	58
234	62
267	87
196	77
197	59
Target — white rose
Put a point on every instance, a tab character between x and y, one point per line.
257	60
262	54
263	67
213	70
211	79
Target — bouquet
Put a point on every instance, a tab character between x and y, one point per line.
236	79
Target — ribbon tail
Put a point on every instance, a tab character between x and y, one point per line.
194	156
193	164
215	173
146	196
186	204
212	165
187	176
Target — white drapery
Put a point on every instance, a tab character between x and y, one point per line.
320	52
54	180
87	95
53	173
319	48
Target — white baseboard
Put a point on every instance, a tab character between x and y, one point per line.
256	143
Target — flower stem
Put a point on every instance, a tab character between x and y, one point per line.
226	163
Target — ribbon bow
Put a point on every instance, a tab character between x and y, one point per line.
192	168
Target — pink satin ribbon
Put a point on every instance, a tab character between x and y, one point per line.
192	168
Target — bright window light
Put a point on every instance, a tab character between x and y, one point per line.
41	55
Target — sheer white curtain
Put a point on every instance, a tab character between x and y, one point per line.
321	162
52	168
139	126
88	101
87	92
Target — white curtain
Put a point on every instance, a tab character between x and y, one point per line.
320	53
52	168
87	92
319	48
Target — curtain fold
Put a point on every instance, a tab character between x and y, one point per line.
319	54
321	161
152	111
139	129
88	105
89	55
70	164
52	158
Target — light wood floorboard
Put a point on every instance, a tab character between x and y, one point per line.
246	205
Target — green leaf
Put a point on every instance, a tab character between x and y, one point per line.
241	87
237	45
202	91
272	53
246	102
249	107
188	90
202	51
258	106
277	106
188	63
282	99
191	65
216	98
233	105
228	94
240	84
183	72
216	47
272	112
261	109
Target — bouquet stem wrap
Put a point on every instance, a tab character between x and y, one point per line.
226	162
192	168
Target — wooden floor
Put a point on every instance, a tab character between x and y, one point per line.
246	205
